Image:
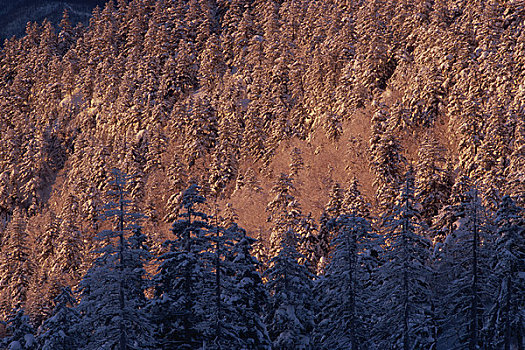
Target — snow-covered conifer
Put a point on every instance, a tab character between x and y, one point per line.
404	320
290	312
112	299
58	331
184	278
464	266
15	264
505	321
344	293
20	333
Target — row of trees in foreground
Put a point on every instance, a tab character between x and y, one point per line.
386	286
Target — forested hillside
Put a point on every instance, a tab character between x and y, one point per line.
14	14
256	174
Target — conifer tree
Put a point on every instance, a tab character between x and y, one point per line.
296	162
42	289
16	266
57	332
333	209
404	279
69	262
464	263
308	244
290	313
355	202
284	211
182	284
66	36
387	160
20	333
247	297
234	317
516	183
505	322
112	291
432	180
345	295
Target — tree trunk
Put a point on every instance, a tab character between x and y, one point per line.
507	312
351	292
474	307
122	340
218	287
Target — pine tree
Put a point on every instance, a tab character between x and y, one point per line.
16	266
112	291
42	288
235	316
57	332
505	322
20	333
177	178
308	242
201	129
464	265
333	209
247	297
344	292
290	313
66	36
296	162
69	262
432	179
355	203
225	164
387	160
516	183
184	277
404	279
285	213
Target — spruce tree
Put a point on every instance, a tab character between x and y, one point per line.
432	179
332	210
387	159
112	297
284	212
290	312
344	292
464	266
505	322
20	333
42	289
234	316
16	267
404	297
247	295
58	331
184	277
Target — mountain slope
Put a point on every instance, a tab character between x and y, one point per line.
226	94
16	13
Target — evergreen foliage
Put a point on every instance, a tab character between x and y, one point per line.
58	331
404	277
184	279
345	293
265	103
505	322
112	300
465	265
290	312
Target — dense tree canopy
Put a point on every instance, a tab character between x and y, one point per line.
293	122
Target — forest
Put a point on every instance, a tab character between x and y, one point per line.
265	174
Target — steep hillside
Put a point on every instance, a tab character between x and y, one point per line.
229	95
14	14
